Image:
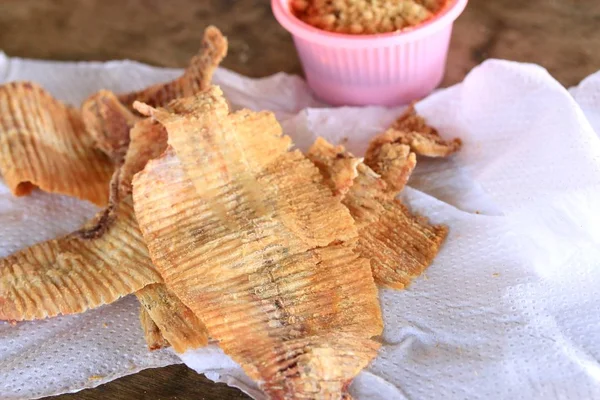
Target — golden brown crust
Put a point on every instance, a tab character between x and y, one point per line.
399	244
256	245
148	141
108	122
180	327
394	162
44	143
196	78
72	274
337	166
410	129
163	312
152	334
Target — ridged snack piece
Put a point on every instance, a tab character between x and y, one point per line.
152	334
399	245
162	312
108	122
148	140
246	234
81	271
196	78
179	326
411	129
44	143
394	162
151	139
336	165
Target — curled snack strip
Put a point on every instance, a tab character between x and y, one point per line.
148	141
153	336
400	245
44	143
411	129
108	122
196	78
245	233
101	262
179	326
163	313
337	166
72	274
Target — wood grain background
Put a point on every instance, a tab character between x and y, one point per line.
561	35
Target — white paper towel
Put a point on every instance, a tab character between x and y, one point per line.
510	309
587	95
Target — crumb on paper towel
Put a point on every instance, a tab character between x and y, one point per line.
96	377
496	274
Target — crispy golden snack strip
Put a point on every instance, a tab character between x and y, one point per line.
169	316
411	129
148	141
245	233
196	78
179	326
399	244
44	143
152	334
84	270
394	162
112	126
108	122
336	165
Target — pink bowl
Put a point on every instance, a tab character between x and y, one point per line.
384	69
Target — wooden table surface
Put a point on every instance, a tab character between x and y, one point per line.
561	35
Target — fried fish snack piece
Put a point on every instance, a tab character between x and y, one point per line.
336	165
196	78
148	141
411	129
153	336
152	138
77	272
399	244
108	122
44	143
245	233
169	316
179	326
393	161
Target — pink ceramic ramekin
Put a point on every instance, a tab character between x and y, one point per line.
384	69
